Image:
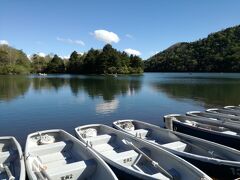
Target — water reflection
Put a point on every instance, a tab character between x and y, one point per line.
12	87
107	107
106	87
211	92
48	83
94	86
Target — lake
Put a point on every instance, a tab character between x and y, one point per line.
32	103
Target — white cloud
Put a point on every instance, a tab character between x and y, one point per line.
65	57
71	41
132	52
106	36
4	42
129	36
41	54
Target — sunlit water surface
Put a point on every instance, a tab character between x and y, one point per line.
32	103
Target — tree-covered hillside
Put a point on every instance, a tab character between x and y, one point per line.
105	61
219	52
13	61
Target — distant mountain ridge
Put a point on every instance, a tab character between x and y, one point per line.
219	52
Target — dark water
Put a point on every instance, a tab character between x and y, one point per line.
32	103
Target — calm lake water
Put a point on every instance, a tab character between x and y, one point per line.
32	103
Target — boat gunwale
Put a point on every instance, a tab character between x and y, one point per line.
189	155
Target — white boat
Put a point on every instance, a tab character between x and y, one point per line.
230	112
220	132
216	160
12	165
42	74
237	108
133	158
55	154
216	116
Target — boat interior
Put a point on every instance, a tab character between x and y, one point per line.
225	111
9	159
215	116
216	128
202	114
177	142
54	155
110	144
237	108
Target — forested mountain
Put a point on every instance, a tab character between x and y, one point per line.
13	61
219	52
105	61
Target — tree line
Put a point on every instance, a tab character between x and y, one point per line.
219	52
105	61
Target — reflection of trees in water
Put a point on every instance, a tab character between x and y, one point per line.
106	87
48	83
211	93
13	86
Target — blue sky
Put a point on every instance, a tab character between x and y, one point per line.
148	26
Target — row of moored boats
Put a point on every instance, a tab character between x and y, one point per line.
198	145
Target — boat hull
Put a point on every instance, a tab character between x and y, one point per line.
224	139
216	171
122	174
14	160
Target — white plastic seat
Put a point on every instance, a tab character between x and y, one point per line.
160	176
76	170
56	156
141	133
8	156
103	147
177	145
53	147
100	139
4	156
126	157
229	132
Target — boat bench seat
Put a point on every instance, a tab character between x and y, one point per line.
51	148
141	132
126	157
56	156
101	139
103	147
177	145
77	170
4	156
160	176
7	156
229	132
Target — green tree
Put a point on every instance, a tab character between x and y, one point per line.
56	65
39	64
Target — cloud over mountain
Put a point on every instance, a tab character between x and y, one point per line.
4	42
106	36
132	52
